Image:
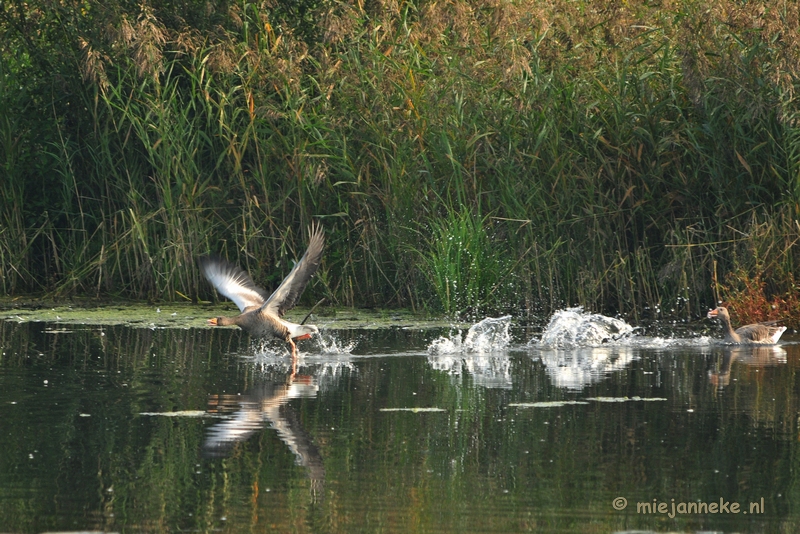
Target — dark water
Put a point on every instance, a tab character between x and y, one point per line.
388	438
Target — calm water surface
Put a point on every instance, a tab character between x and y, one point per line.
125	429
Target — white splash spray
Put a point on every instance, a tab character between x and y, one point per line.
575	328
480	354
489	335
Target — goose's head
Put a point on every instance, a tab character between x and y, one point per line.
719	312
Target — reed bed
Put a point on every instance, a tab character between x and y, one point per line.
464	157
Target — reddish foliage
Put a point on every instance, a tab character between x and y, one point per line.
748	301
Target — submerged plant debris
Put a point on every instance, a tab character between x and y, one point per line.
555	404
545	404
413	410
187	315
181	413
625	399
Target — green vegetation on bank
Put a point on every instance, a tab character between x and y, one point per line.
638	157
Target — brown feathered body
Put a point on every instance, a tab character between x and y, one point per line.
751	333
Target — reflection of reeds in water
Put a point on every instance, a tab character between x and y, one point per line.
616	160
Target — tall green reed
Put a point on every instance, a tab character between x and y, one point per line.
164	199
13	232
464	265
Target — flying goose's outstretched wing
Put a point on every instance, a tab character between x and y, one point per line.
233	282
288	293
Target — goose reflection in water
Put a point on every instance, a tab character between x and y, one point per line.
268	403
754	356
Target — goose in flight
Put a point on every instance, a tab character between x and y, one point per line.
262	313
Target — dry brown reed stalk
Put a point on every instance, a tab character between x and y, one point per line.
145	38
93	68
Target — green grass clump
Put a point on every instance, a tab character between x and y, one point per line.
465	266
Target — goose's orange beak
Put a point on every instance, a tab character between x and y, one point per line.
213	321
304	336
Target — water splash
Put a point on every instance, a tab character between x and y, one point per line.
489	335
330	344
322	344
327	368
479	354
266	348
575	328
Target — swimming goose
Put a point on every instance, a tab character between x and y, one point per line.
262	313
751	333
